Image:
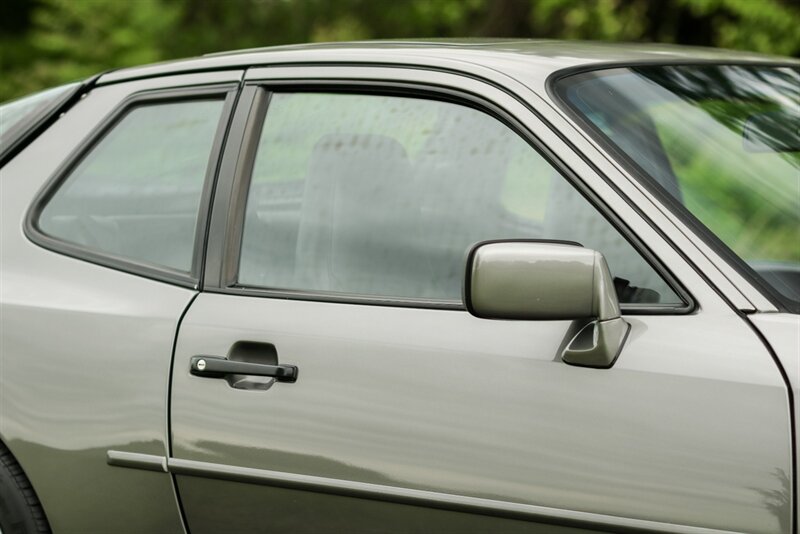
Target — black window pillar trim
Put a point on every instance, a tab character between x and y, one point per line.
224	245
223	208
227	93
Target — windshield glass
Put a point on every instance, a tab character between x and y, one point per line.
723	141
17	115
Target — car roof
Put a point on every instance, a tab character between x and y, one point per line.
545	56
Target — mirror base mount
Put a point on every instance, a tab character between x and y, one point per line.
597	344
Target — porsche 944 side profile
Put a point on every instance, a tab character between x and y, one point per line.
449	286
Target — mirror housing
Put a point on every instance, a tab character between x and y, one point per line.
549	280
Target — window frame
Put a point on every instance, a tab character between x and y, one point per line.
227	94
224	250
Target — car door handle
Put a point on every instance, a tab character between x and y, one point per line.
216	367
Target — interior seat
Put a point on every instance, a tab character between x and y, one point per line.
359	228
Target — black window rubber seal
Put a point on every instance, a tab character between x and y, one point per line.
229	285
225	92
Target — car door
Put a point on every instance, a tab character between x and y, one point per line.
347	200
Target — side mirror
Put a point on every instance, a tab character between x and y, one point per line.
530	280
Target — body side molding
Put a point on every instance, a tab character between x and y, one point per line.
135	460
394	494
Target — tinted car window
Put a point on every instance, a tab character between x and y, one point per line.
136	194
383	196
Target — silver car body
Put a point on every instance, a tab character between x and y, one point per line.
395	423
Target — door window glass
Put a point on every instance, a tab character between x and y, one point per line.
136	195
384	195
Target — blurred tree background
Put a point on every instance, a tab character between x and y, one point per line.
47	42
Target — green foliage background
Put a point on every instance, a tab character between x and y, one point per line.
47	42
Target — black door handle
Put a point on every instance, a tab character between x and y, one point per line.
216	367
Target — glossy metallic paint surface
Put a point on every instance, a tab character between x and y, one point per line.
598	344
688	429
518	280
489	511
690	426
782	332
280	510
85	353
541	56
532	281
655	403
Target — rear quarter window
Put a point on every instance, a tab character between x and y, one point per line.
136	194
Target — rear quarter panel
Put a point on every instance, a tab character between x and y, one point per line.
84	352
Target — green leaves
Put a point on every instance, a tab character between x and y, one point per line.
64	40
73	39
